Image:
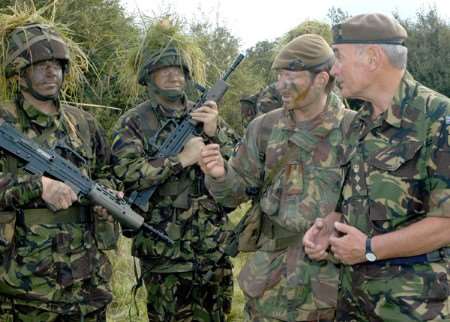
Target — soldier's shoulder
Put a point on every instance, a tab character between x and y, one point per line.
77	113
261	127
434	103
8	111
271	117
267	120
137	111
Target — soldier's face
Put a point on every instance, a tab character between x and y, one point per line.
46	77
293	87
351	70
247	111
169	78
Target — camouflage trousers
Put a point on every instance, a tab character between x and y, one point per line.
397	293
185	297
23	313
251	314
287	286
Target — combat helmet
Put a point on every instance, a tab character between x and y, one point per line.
33	43
164	57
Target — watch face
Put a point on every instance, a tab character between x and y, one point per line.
371	257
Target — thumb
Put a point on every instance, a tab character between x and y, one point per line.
319	223
343	228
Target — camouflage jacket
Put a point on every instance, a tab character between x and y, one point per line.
286	285
181	205
52	265
399	164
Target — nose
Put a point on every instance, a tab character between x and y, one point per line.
52	70
334	70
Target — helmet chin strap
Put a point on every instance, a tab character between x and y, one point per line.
29	89
169	94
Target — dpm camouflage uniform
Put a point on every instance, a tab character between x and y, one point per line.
54	269
398	173
280	283
192	279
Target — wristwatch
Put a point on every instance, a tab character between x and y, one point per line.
370	255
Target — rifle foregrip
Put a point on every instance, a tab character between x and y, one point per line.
118	208
121	210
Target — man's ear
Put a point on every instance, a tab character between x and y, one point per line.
19	78
322	79
374	57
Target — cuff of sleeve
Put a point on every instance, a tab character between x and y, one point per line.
439	203
219	137
214	185
32	191
174	164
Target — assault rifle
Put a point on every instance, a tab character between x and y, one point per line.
182	132
42	161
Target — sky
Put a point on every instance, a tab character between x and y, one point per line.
256	20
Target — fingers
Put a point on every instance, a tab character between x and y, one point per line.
316	254
57	194
102	213
205	112
210	149
343	228
208	115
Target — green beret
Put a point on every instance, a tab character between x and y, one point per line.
373	28
306	52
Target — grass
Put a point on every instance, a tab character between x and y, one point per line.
123	307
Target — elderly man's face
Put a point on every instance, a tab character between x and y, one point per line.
351	70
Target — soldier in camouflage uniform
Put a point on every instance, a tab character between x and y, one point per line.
396	197
248	109
264	101
192	279
289	159
52	264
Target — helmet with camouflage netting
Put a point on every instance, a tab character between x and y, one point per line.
165	57
27	37
34	43
165	45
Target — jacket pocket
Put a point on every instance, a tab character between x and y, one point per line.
398	185
106	233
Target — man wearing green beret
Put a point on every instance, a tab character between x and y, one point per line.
393	221
288	164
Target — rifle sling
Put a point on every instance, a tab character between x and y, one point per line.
44	216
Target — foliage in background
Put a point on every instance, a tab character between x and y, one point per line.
163	33
22	14
429	49
106	32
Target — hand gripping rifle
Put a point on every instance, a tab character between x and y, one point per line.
42	161
182	133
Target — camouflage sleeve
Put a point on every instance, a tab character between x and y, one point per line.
244	170
20	191
439	163
226	137
129	161
16	191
